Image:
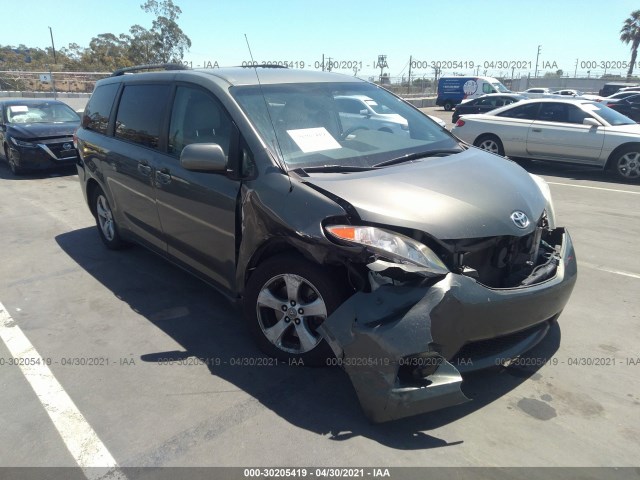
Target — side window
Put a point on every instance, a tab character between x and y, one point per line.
140	113
576	115
96	113
553	112
487	101
526	112
486	88
197	117
347	105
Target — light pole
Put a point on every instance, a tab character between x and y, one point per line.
535	75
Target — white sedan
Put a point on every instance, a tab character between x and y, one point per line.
576	131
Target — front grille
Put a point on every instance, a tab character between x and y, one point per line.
57	148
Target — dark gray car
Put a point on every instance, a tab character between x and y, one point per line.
406	257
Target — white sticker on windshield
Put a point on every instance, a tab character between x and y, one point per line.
313	139
18	108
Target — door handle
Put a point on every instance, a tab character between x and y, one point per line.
144	169
537	130
163	176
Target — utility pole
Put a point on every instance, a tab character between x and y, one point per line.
329	66
575	72
53	47
537	57
409	84
323	62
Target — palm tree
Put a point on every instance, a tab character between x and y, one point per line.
630	33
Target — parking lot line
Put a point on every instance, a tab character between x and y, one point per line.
608	270
80	439
594	188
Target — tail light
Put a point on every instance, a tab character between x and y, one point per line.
460	123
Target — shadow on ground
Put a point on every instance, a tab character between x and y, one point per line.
209	327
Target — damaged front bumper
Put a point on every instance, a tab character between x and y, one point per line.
398	344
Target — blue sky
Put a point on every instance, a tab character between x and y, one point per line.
357	31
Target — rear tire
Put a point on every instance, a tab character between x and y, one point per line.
625	164
448	105
490	143
107	227
286	300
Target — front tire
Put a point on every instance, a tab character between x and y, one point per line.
625	164
9	155
286	300
107	227
490	143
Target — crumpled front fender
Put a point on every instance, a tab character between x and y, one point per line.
372	336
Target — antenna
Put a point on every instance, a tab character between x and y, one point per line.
279	159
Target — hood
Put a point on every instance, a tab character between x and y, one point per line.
41	130
467	195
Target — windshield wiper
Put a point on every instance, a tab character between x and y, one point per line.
333	168
416	156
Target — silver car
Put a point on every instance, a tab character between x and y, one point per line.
576	131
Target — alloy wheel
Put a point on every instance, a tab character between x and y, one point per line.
289	310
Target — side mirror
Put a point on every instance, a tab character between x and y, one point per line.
365	113
203	157
592	122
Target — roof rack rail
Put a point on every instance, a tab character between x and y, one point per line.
151	66
264	65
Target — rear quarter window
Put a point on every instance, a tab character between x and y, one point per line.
140	113
96	113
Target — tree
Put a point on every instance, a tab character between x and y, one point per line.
170	41
630	34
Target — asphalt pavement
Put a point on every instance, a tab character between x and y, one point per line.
162	372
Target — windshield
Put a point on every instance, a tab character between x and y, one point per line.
41	113
500	87
315	124
608	114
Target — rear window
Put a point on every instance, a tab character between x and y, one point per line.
96	114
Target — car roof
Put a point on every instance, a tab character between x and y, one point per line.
559	99
29	101
236	76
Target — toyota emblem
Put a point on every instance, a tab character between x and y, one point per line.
520	219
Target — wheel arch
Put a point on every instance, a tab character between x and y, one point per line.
279	246
92	186
617	150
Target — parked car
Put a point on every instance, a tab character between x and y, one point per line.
341	243
37	134
485	103
568	92
576	131
635	88
612	87
536	92
362	111
629	106
618	96
453	90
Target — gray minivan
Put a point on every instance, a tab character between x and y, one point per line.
405	258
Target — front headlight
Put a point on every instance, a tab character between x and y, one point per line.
391	245
22	143
546	193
